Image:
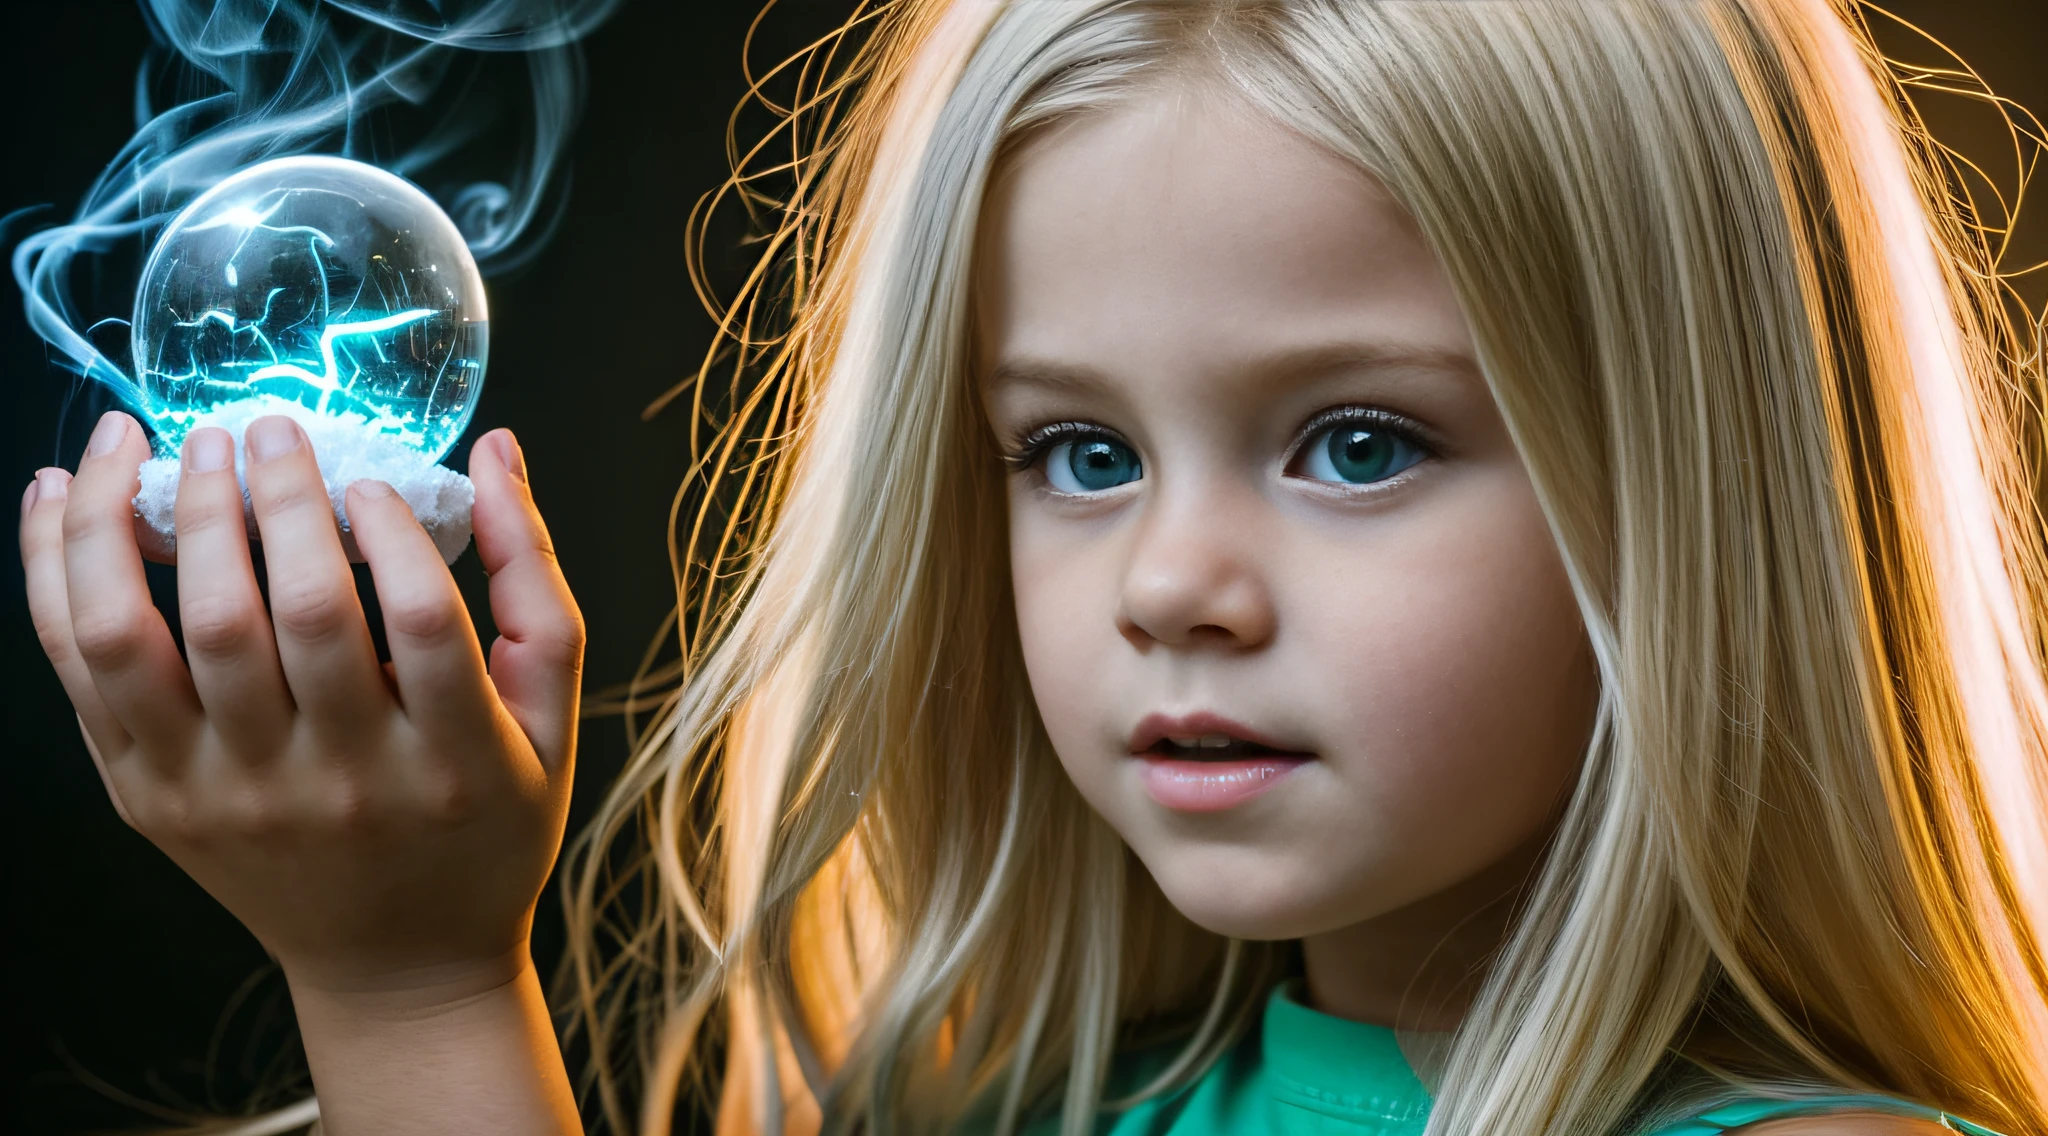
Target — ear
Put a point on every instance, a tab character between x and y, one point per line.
1853	1123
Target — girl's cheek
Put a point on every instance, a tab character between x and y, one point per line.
1066	624
1459	681
1067	583
1435	657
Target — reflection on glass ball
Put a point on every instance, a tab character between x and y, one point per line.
315	285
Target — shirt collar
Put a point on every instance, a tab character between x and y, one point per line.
1336	1066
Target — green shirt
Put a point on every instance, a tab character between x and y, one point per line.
1305	1073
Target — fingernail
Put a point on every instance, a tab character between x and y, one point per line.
106	436
369	487
271	436
510	454
209	449
52	484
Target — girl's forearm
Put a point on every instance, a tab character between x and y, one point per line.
472	1051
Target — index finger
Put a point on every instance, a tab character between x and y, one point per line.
435	660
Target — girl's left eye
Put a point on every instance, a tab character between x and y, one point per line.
1357	453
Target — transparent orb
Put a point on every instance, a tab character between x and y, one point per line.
313	285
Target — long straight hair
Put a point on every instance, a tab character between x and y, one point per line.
1754	350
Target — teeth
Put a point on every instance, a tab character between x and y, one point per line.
1206	741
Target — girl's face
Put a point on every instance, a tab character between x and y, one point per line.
1292	616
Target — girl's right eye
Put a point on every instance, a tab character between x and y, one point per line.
1090	464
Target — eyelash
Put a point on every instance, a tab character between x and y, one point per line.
1386	421
1025	450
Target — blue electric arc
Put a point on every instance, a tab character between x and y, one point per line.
319	285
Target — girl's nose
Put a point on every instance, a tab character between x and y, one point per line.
1194	578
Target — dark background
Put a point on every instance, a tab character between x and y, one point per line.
117	966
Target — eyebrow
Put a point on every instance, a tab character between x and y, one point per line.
1295	363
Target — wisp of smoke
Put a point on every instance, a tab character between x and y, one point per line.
300	76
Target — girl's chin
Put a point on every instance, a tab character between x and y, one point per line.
1249	894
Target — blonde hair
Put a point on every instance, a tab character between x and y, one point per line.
1755	353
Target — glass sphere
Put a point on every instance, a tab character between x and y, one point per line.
316	285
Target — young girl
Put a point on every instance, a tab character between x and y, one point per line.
1337	566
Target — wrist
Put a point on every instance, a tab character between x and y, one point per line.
417	993
466	1047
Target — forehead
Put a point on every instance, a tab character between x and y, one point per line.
1181	230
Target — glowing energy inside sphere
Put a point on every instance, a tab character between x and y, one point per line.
313	285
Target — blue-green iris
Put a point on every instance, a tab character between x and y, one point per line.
1361	456
1091	465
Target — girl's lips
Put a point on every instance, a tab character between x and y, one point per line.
1155	728
1212	786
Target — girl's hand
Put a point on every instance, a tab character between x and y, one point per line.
384	831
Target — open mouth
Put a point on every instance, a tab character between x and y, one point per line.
1214	747
1204	762
1206	736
